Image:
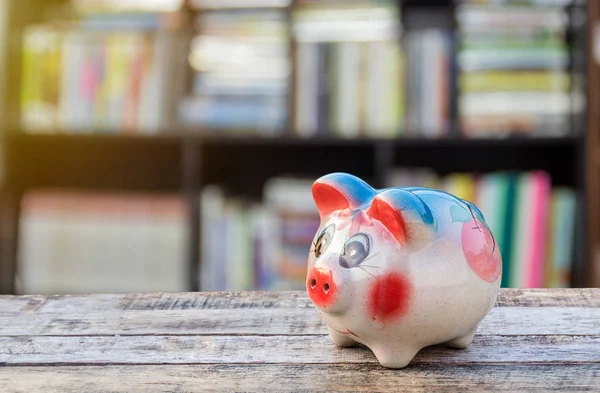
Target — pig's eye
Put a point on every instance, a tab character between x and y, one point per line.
356	249
320	246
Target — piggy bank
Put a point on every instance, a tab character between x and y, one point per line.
400	269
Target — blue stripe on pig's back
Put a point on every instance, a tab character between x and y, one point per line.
450	211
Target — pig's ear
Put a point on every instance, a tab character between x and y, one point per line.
403	214
339	191
390	217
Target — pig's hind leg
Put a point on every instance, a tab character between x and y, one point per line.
341	340
463	341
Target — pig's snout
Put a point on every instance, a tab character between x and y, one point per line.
321	288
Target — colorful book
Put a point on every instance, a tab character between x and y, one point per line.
540	210
505	238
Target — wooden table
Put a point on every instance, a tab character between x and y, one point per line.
534	340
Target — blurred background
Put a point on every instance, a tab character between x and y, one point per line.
170	145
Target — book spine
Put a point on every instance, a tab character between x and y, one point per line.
507	239
348	66
541	185
307	87
324	89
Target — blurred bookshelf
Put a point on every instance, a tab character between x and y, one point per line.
220	113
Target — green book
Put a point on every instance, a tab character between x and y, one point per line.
506	205
521	231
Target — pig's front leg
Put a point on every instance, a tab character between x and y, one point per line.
394	356
339	339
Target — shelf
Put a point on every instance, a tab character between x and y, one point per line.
100	138
115	162
156	162
247	138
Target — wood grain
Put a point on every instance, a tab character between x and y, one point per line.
556	297
155	301
581	297
300	378
278	321
281	349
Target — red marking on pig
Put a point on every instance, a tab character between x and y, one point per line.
328	199
389	297
348	331
480	250
389	217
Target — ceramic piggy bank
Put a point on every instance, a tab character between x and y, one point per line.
400	269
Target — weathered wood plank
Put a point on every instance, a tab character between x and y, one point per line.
300	378
282	349
583	297
543	297
154	301
16	304
279	321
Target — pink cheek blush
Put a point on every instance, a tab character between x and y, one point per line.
480	250
389	297
386	236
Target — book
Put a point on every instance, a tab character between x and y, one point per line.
540	207
98	6
84	242
428	82
539	81
561	231
232	4
40	90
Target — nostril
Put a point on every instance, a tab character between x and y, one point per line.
313	283
326	288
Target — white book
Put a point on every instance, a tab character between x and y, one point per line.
307	88
412	83
357	24
34	246
149	110
471	16
375	88
523	219
510	59
345	31
427	79
171	271
243	265
77	243
395	107
128	5
347	112
217	4
72	56
211	212
513	103
436	116
265	230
